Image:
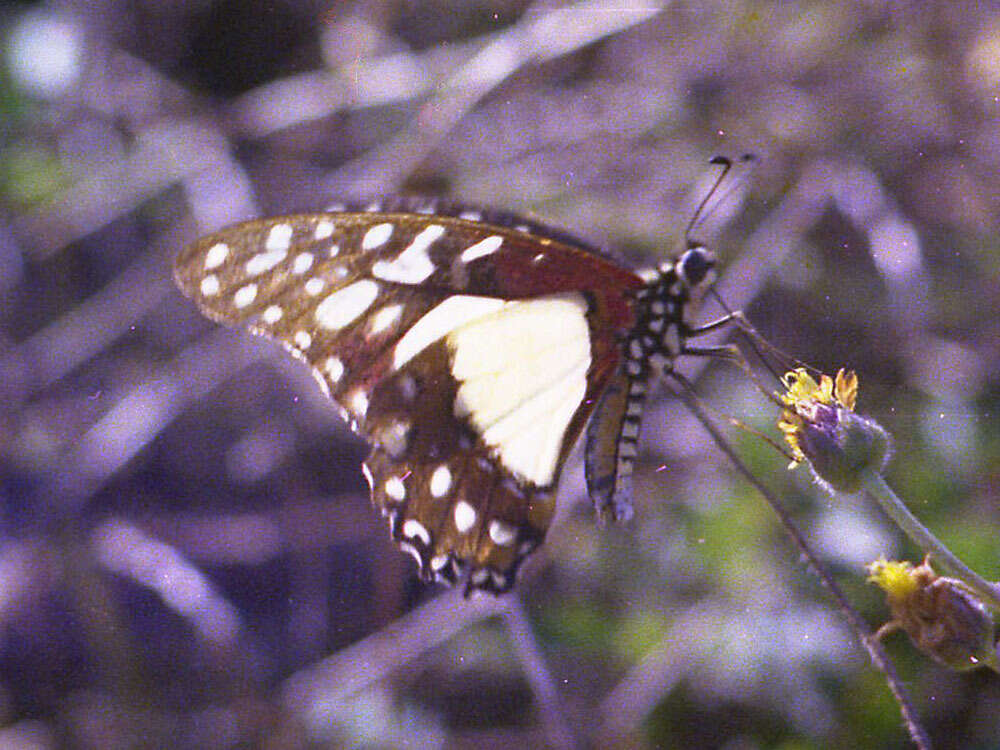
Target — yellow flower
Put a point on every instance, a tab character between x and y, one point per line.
943	618
819	425
801	387
895	578
803	394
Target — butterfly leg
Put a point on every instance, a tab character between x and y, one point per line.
725	351
760	346
736	317
737	356
728	352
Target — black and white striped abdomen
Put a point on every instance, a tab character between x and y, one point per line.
665	308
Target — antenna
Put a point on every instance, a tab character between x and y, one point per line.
701	214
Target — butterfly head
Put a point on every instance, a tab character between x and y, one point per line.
696	269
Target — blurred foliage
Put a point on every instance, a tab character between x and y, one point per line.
187	554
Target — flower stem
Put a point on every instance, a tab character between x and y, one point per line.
876	486
871	644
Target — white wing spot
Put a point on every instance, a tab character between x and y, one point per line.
323	230
465	516
408	387
359	403
279	238
376	236
210	286
320	381
302	263
440	481
395	488
314	286
438	562
334	250
394	437
482	248
272	315
413	529
262	262
347	304
471	215
216	255
334	368
303	340
406	545
385	318
413	265
245	295
502	533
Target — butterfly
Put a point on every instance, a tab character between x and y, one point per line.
469	348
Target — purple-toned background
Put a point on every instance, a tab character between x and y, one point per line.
188	557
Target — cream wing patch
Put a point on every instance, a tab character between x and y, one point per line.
523	375
440	321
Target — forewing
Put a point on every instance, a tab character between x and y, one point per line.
469	354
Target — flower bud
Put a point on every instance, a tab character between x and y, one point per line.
943	618
820	426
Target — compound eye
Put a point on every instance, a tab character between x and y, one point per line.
695	264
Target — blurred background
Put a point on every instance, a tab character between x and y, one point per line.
188	557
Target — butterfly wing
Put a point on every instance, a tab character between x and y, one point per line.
469	354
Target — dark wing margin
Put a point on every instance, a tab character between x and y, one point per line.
435	206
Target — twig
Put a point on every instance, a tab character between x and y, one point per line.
374	657
535	39
538	674
164	154
140	416
86	330
875	651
